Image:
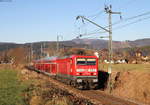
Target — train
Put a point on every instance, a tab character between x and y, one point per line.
76	70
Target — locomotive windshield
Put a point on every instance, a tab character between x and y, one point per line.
86	61
91	61
81	61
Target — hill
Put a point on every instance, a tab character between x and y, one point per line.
79	43
6	46
100	44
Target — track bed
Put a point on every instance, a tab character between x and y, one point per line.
96	97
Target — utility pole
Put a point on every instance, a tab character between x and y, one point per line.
31	56
57	45
44	49
58	36
109	11
41	51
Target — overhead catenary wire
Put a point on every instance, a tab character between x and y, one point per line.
139	20
120	27
131	23
128	24
93	17
120	21
125	20
130	18
85	24
88	34
92	37
126	4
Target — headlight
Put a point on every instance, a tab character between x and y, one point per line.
92	70
79	80
80	70
94	73
95	80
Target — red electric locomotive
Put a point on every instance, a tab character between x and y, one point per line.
77	70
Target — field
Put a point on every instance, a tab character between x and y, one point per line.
130	81
16	87
11	89
126	67
19	86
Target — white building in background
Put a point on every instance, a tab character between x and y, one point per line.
96	54
106	61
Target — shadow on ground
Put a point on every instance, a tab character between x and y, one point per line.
102	78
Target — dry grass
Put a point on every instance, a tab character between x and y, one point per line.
133	81
126	67
134	85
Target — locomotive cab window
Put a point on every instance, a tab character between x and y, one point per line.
86	61
91	61
81	61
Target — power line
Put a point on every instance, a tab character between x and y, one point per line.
139	20
123	26
118	22
125	5
93	32
85	34
96	15
130	18
85	24
131	23
92	37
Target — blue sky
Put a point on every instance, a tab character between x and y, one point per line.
23	21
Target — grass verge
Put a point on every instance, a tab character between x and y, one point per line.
11	89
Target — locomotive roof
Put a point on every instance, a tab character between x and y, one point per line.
70	56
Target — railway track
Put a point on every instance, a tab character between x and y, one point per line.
97	97
106	99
